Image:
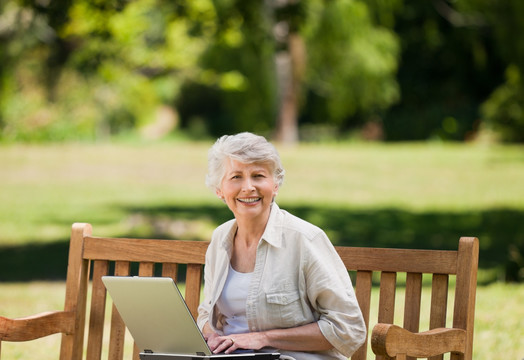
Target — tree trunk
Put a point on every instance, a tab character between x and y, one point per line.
290	69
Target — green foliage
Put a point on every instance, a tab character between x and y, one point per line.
237	90
79	69
504	110
447	69
351	62
110	66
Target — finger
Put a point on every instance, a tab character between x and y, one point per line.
225	346
231	347
221	346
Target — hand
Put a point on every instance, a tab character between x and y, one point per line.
221	344
228	344
217	343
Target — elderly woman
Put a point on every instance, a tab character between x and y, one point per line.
272	280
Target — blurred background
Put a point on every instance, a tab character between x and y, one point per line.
293	69
400	124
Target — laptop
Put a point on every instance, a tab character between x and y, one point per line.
160	322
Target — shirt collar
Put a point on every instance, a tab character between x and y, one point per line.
272	233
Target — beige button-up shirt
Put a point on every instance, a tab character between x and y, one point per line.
298	279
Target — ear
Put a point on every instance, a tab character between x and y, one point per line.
275	191
219	193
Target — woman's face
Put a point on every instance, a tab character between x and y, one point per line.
248	189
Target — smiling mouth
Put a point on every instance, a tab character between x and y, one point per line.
249	200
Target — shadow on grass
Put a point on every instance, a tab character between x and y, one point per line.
501	234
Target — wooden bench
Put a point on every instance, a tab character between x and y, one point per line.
91	257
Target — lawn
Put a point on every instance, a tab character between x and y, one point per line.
402	195
46	188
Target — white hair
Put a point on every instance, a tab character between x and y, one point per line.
245	147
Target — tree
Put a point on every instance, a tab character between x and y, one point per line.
503	111
107	65
331	52
352	62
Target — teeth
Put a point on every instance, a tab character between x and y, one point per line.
250	200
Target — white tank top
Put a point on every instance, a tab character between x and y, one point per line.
232	301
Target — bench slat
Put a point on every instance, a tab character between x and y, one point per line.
170	270
98	309
412	301
145	250
386	305
363	293
117	335
398	260
388	282
439	304
413	296
193	284
465	290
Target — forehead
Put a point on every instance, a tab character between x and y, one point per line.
232	165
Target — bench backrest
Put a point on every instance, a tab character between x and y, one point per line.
93	257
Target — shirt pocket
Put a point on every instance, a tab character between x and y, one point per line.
284	308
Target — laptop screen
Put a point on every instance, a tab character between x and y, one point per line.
156	315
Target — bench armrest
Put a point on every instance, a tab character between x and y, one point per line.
391	340
36	326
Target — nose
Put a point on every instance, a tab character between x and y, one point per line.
248	185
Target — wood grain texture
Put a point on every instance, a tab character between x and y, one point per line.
145	250
98	310
36	326
392	340
399	260
363	287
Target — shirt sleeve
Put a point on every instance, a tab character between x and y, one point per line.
205	307
331	293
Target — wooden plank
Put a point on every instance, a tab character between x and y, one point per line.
391	340
193	284
98	310
71	347
439	301
412	303
146	269
465	292
145	250
398	260
37	326
386	306
439	304
117	334
363	293
170	270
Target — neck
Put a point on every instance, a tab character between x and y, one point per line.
250	230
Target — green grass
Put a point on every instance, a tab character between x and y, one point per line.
498	321
396	195
46	188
